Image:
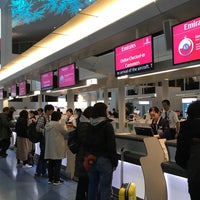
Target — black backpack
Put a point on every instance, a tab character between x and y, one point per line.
33	135
73	142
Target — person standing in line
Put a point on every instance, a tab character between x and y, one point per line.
24	145
71	120
82	131
188	148
170	115
115	113
12	123
55	147
43	119
101	144
5	132
78	112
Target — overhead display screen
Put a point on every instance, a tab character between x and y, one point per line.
186	41
133	57
66	76
46	80
14	90
0	37
22	88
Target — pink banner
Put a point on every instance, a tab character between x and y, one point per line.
66	76
134	54
186	41
46	80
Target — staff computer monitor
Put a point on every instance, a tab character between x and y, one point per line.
146	131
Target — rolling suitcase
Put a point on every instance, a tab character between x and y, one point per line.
127	190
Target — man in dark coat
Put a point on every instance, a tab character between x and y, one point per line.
5	132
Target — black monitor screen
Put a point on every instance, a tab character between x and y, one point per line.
146	131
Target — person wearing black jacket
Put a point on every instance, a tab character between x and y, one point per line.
188	148
24	145
103	146
81	134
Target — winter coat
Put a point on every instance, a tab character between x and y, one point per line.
189	133
5	131
102	140
81	131
21	127
55	134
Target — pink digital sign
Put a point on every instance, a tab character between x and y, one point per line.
22	88
66	76
46	80
134	57
186	41
14	90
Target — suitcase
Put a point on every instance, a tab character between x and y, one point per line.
127	191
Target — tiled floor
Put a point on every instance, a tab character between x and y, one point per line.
17	183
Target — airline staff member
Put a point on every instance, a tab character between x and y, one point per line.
172	117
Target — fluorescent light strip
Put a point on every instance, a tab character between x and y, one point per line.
82	25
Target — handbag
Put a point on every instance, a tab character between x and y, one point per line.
89	160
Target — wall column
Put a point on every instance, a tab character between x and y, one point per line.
70	99
6	35
121	105
165	89
105	96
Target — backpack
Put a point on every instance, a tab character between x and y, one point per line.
73	142
33	135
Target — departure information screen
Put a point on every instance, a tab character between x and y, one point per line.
134	57
186	41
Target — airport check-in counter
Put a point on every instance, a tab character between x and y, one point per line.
142	165
145	164
175	176
134	149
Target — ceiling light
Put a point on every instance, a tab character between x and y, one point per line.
122	77
37	92
90	20
92	81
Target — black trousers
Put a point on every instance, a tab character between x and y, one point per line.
82	188
54	167
4	145
42	163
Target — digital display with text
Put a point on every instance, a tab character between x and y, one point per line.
66	76
14	90
186	41
22	88
134	57
46	80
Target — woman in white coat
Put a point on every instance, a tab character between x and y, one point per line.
55	149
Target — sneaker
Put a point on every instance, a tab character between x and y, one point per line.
50	182
58	182
26	166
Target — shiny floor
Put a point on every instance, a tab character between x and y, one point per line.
17	183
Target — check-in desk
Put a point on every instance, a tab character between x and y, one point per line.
142	165
175	176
